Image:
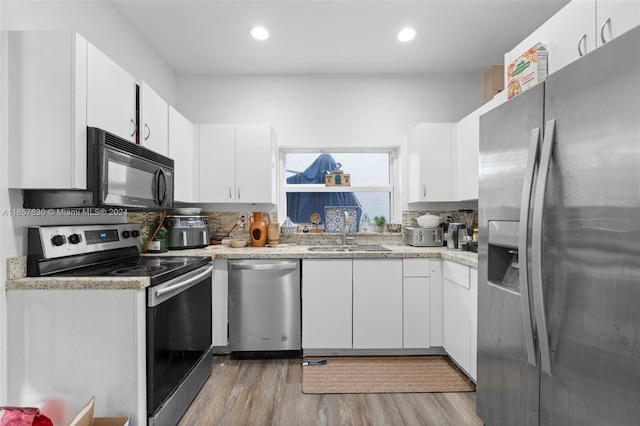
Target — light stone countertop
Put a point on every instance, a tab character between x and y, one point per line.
17	280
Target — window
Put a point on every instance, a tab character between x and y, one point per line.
372	174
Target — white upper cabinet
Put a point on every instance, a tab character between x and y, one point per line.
579	28
430	171
467	148
47	110
568	35
237	163
181	151
615	17
111	96
217	163
154	117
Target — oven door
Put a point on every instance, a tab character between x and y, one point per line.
178	344
126	180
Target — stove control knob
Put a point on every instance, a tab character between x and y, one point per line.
126	234
74	238
135	234
57	240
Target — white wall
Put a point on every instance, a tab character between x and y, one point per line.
332	110
102	25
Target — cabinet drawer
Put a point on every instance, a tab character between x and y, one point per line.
415	267
456	273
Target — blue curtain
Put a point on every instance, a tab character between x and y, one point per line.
300	205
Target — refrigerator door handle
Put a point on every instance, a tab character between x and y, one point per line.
536	245
523	243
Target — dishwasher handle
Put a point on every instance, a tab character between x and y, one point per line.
264	266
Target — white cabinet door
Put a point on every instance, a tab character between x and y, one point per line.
326	303
457	334
182	152
467	141
154	121
217	158
473	321
415	307
91	336
568	35
435	304
47	111
430	168
255	164
377	303
111	96
615	17
415	333
237	163
219	303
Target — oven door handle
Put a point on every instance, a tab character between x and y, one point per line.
159	296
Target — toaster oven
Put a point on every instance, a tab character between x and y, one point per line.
423	237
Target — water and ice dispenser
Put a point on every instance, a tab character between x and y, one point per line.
503	262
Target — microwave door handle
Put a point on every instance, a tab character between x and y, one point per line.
161	188
204	238
103	176
523	242
183	238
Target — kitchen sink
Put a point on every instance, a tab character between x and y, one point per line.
348	248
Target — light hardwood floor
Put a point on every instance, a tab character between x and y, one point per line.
267	392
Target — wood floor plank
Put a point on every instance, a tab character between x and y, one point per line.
268	392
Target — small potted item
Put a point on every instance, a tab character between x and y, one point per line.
380	221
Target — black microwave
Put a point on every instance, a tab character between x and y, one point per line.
119	174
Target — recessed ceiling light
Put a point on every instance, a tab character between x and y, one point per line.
259	33
407	34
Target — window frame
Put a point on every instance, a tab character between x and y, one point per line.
391	187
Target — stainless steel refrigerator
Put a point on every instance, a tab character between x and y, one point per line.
559	247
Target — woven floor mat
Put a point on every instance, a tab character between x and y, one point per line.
386	374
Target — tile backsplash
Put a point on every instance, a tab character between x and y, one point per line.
222	222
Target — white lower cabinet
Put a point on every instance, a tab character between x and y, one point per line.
473	320
326	303
457	313
219	303
435	303
415	309
66	345
377	303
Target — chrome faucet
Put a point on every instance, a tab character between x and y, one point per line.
345	215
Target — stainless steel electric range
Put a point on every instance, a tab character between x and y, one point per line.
178	313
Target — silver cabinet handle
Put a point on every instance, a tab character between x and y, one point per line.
604	25
239	193
523	245
582	40
536	245
133	127
148	131
230	193
424	191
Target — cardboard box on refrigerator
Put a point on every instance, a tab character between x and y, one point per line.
492	82
527	70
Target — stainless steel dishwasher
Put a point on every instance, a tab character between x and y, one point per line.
265	308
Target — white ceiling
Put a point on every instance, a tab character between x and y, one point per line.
358	36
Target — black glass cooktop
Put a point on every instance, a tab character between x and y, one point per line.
159	268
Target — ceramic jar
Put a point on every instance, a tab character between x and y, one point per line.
257	230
